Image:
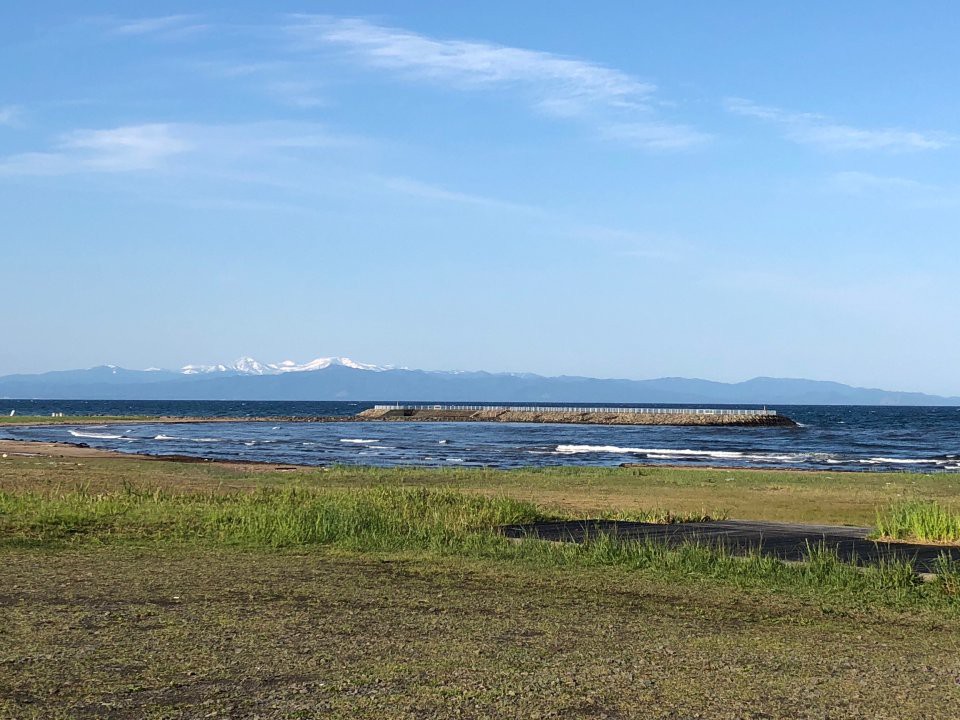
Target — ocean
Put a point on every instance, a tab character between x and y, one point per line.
922	439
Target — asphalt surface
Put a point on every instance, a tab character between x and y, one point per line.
787	541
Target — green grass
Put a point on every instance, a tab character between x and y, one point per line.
919	520
438	522
378	518
789	496
375	518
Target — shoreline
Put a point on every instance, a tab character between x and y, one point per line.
44	448
77	451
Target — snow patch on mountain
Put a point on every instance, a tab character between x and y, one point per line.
249	366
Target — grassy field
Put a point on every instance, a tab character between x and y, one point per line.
815	497
135	588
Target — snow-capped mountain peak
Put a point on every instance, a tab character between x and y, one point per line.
250	366
323	363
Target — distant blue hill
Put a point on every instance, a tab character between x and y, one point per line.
341	379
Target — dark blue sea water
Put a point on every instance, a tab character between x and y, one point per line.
829	437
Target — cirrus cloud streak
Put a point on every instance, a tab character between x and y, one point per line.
821	132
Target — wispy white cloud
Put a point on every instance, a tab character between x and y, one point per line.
606	240
629	243
10	114
904	192
619	106
155	146
296	93
121	149
655	135
429	191
237	69
861	183
822	132
165	25
276	167
473	64
287	82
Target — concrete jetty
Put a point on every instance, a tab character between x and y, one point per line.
575	414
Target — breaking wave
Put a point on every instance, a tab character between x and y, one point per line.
903	461
665	452
689	454
187	439
97	436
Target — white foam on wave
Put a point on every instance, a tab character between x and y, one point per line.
902	461
665	452
358	441
775	457
187	439
96	436
675	454
454	460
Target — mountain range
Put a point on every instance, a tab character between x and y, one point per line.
340	378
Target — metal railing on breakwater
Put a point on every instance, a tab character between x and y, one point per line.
575	409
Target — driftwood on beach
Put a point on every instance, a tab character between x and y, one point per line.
589	416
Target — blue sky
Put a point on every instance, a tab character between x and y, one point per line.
720	190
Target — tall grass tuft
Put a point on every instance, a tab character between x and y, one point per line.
917	520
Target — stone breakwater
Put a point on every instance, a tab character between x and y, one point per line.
567	416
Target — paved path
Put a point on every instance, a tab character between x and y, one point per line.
786	541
